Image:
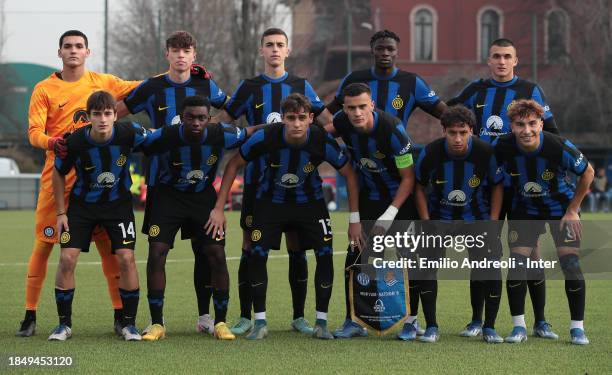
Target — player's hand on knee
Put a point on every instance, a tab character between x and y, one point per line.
571	223
216	223
356	236
62	224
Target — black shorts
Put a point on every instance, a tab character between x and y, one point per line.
117	217
525	230
248	205
310	221
189	212
148	207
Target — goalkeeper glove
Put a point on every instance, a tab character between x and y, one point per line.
200	71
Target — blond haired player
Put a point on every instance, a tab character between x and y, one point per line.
58	106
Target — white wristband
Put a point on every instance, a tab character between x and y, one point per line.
354	218
389	215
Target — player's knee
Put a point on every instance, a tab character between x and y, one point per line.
67	262
518	267
570	265
216	257
126	260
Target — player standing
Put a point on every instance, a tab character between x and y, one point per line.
101	195
538	163
259	99
161	98
57	107
381	153
398	93
490	99
289	197
451	172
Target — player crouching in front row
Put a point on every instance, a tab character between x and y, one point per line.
101	196
289	197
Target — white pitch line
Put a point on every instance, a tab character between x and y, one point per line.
167	261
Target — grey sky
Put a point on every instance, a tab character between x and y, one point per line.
34	26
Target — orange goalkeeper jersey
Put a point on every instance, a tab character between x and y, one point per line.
58	107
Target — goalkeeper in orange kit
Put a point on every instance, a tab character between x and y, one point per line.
57	107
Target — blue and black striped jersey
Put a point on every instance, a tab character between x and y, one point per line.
397	94
259	99
290	172
102	169
539	178
490	101
188	166
455	185
375	154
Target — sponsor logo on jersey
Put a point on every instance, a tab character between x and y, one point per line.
273	117
493	127
455	198
105	180
289	180
533	190
193	177
370	165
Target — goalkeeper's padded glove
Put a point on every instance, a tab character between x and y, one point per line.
200	71
59	145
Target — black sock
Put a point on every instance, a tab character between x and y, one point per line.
258	274
298	280
129	298
244	286
118	314
201	279
493	291
429	295
220	301
352	257
575	287
30	315
324	278
413	286
516	284
156	306
477	298
536	283
63	299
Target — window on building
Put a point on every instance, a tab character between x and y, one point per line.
489	31
557	31
423	36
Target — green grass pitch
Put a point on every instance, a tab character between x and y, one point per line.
95	349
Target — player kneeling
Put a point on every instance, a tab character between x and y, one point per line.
290	197
538	162
101	196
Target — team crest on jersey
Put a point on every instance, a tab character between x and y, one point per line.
474	181
105	180
153	231
379	155
212	159
309	167
65	237
256	235
456	198
289	180
273	117
363	279
513	236
248	221
548	175
49	231
121	160
397	103
80	117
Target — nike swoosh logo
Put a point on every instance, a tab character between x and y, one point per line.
539	282
257	106
574	290
514	174
255	285
569	240
427	291
513	286
89	168
490	296
127	242
162	108
327	238
326	286
176	164
440	182
62	105
218	239
276	165
480	105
